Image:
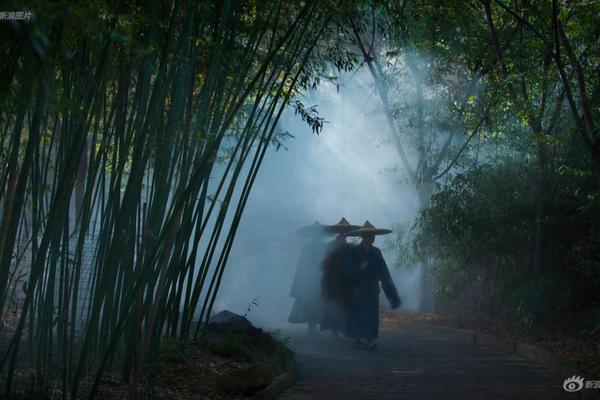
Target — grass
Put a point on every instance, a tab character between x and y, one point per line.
237	346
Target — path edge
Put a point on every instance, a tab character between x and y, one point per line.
281	382
522	349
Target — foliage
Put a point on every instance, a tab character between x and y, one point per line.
130	137
236	345
481	230
490	106
174	349
532	302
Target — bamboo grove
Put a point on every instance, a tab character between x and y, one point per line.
131	137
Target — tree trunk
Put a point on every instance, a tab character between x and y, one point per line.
426	305
539	258
80	180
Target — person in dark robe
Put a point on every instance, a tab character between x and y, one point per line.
334	289
306	289
364	270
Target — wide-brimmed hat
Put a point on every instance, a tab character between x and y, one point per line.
341	227
369	229
314	230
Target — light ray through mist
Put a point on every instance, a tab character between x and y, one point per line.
341	172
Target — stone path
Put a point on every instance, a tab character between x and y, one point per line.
409	367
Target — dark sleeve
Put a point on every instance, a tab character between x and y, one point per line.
330	273
333	283
351	272
387	283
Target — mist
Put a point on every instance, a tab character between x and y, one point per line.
348	170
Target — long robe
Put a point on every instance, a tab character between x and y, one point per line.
306	287
363	302
334	288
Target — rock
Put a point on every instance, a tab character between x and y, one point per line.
229	331
246	380
228	322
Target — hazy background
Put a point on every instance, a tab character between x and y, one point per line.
347	170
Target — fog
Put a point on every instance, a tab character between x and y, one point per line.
347	170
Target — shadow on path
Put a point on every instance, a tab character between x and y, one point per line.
410	367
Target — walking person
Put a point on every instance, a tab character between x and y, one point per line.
306	288
333	287
364	270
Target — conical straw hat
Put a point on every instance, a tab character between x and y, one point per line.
341	227
368	228
314	230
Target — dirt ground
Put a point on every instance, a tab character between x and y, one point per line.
224	364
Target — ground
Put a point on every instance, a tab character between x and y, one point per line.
409	367
572	343
231	361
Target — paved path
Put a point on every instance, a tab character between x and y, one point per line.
409	367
